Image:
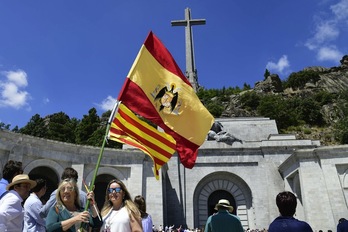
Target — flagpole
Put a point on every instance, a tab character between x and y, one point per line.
98	164
114	110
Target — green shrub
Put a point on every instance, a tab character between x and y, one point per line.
307	131
277	108
297	80
215	109
324	97
250	100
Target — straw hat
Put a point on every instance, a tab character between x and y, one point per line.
22	178
223	203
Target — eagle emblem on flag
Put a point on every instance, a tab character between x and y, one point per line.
168	98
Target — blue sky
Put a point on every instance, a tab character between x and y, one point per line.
71	56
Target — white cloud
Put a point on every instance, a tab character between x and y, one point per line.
18	77
11	94
340	10
282	64
46	101
108	103
327	31
329	53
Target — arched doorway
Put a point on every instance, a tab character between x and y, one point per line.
216	186
47	174
214	198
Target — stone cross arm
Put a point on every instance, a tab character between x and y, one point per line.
184	22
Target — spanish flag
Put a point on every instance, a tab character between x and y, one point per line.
157	90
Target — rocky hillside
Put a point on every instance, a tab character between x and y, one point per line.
332	80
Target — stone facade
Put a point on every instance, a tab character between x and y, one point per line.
249	174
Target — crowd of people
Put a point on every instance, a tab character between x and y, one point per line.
172	228
70	209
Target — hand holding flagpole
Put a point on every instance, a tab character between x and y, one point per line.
95	208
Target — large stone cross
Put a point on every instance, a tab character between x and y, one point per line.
191	72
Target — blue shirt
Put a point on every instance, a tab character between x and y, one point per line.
343	226
223	221
32	220
147	223
3	185
289	224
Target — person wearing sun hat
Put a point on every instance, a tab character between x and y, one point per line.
223	220
11	209
224	204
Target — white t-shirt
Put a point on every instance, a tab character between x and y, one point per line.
117	221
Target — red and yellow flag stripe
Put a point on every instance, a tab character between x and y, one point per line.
127	128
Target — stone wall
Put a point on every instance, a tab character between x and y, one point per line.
249	174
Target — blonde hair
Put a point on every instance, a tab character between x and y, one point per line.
127	201
62	184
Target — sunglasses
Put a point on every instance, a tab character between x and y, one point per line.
68	189
117	189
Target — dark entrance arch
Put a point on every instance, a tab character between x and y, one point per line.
214	198
49	175
101	182
219	185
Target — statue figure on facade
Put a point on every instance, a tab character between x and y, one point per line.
217	133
